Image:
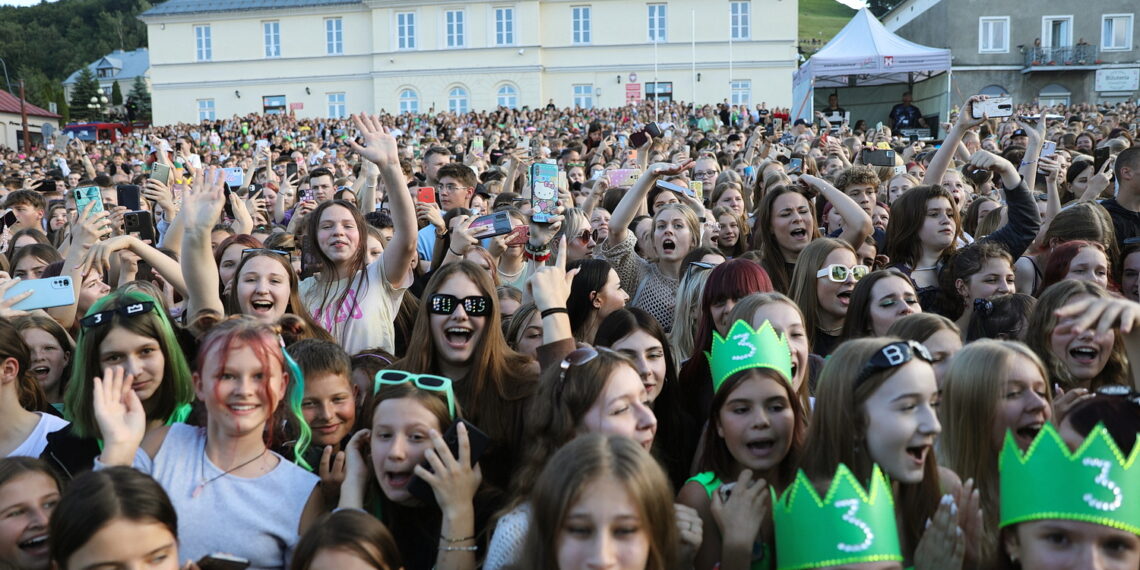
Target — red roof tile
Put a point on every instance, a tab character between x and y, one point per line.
9	103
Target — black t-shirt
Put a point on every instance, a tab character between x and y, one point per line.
1124	221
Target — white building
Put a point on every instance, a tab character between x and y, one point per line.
332	57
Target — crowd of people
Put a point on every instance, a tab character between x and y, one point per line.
723	340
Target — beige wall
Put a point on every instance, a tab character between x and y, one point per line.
10	129
542	63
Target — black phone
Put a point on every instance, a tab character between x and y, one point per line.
1100	156
491	225
636	140
290	168
219	561
310	262
8	220
653	129
479	441
227	208
129	196
141	224
145	271
879	157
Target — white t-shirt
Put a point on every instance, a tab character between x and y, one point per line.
34	445
365	319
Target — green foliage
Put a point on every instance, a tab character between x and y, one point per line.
820	20
138	104
86	87
116	94
57	38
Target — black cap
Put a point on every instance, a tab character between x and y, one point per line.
800	122
1020	133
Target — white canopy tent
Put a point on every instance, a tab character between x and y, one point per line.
863	57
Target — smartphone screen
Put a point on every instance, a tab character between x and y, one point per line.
543	190
1100	156
795	166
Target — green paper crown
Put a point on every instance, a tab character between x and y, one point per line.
848	526
1095	484
746	348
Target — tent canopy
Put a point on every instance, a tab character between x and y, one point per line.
865	53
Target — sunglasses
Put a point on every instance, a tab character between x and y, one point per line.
474	306
839	273
578	357
427	382
103	317
248	251
695	266
891	356
586	236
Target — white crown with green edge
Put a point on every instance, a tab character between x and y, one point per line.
744	348
1095	484
848	526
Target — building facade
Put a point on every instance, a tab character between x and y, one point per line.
1046	51
328	58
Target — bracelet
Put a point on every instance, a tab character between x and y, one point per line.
459	548
455	540
553	310
537	257
453	252
1027	162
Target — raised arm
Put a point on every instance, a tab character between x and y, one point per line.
380	148
634	199
965	122
857	224
99	256
365	186
201	205
1036	134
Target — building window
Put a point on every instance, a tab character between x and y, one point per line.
409	101
1116	32
993	35
454	23
584	96
406	30
994	91
508	96
272	33
1053	94
205	46
656	22
457	101
504	26
334	36
740	16
105	72
205	110
1056	31
742	92
273	104
337	109
580	19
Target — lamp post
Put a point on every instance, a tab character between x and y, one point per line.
97	104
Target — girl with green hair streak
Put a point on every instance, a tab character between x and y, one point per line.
127	330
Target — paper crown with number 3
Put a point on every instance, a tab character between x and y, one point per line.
849	525
744	348
1096	483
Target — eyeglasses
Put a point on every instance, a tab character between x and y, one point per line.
839	273
428	382
576	358
452	188
102	317
474	306
891	356
705	173
695	266
586	236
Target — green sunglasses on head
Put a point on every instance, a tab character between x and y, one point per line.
429	382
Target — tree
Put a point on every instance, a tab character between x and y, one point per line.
116	94
86	87
138	100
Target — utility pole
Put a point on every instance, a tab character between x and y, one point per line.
24	117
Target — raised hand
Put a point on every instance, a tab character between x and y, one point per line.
6	310
943	545
453	480
203	200
549	286
379	145
120	415
357	471
740	513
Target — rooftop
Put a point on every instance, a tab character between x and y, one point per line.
177	7
130	64
10	103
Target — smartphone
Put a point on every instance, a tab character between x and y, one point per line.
86	195
993	107
479	442
1049	149
543	191
524	142
8	220
676	188
46	293
879	157
219	561
234	176
636	140
796	166
426	195
477	146
698	188
519	236
622	177
129	196
491	225
290	168
160	172
140	224
653	129
1100	156
145	271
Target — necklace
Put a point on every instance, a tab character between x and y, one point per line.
202	485
510	276
831	332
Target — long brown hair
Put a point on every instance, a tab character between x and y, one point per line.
1040	333
838	434
908	214
328	279
764	240
295	307
804	280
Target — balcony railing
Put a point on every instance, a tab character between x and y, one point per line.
1062	56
